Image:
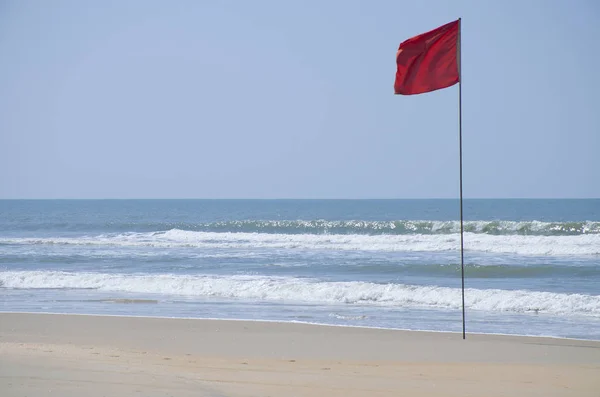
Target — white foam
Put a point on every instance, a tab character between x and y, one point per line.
588	244
260	288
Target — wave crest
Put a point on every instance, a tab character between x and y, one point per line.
397	227
306	290
580	245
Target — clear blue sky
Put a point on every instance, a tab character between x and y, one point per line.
293	99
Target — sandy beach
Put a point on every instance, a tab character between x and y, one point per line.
74	355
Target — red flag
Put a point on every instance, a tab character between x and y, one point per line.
428	62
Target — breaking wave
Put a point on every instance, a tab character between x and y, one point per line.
535	245
401	227
289	289
321	226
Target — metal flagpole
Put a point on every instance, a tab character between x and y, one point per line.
462	255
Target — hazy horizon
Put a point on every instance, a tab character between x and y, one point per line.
302	199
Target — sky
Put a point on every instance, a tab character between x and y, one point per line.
294	99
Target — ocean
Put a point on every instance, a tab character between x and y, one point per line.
532	267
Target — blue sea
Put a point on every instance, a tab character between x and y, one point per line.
532	267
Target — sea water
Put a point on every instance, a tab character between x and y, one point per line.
532	267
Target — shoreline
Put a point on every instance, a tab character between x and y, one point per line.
459	333
103	355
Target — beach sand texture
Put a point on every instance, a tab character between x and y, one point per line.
79	355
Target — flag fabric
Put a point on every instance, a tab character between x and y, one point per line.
428	62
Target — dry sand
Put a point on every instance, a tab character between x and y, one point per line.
89	356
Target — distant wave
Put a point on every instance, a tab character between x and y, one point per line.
259	288
535	245
403	227
362	227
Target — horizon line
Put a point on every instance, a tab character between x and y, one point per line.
295	199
